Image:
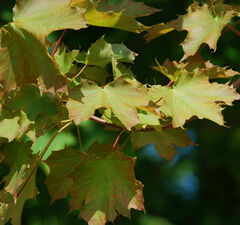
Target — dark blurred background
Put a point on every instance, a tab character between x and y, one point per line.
202	185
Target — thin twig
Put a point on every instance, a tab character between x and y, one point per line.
79	73
58	42
40	159
115	143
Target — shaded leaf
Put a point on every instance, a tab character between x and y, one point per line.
101	53
102	184
193	95
96	74
35	66
164	141
61	164
87	97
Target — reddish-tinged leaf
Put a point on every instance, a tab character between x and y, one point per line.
102	184
61	164
25	62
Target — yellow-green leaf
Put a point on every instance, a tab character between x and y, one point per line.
193	95
87	97
200	22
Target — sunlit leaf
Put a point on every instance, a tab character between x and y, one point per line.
45	16
193	95
65	59
87	97
200	22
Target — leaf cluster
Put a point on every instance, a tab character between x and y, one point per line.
40	91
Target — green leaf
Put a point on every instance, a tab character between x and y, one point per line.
112	19
96	74
164	141
200	22
87	97
61	164
65	59
111	191
102	53
193	95
35	66
29	100
43	17
103	183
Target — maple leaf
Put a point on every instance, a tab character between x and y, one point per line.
200	21
101	53
173	69
193	95
43	17
102	184
164	141
35	66
31	22
87	97
123	19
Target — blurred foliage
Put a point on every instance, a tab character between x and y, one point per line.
202	185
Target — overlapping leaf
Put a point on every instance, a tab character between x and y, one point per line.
124	18
65	59
19	158
87	97
25	62
200	21
196	62
193	95
43	17
23	55
164	141
13	211
14	126
101	53
101	183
